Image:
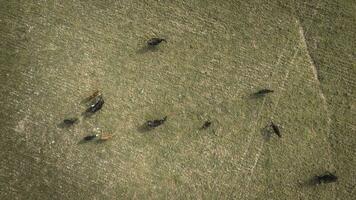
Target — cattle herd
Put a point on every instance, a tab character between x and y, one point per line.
96	101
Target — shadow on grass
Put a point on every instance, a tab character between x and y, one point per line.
311	182
97	141
63	125
84	142
266	134
144	128
67	124
87	114
146	49
86	101
257	96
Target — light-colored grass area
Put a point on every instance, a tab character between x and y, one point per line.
55	54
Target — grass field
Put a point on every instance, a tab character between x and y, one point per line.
54	54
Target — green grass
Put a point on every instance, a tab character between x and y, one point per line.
53	55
